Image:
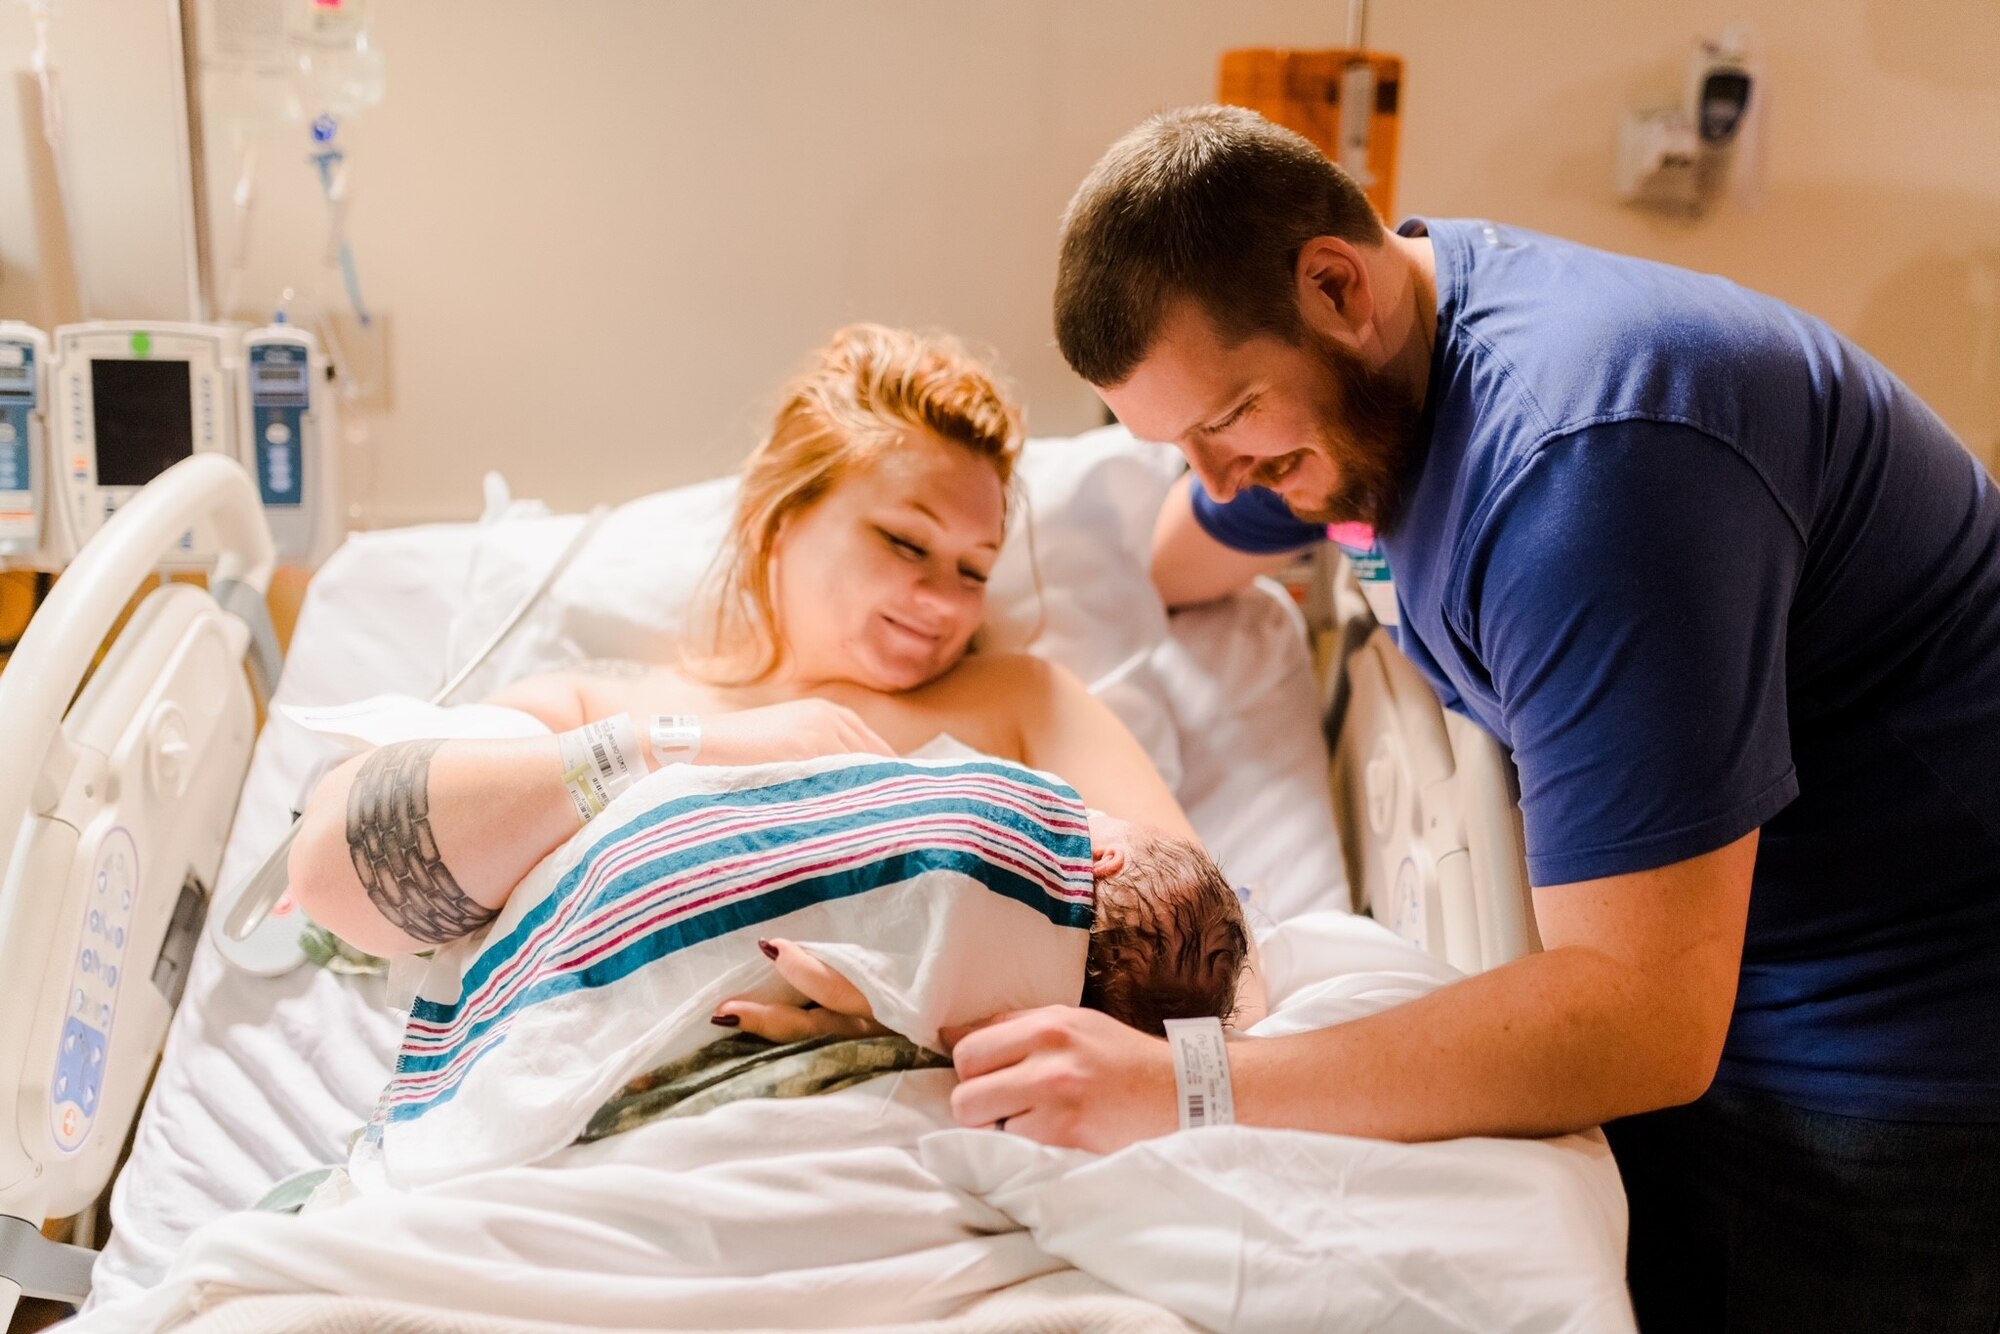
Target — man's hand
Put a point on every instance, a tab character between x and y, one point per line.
800	729
835	1008
1064	1076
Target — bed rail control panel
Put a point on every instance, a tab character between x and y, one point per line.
24	365
95	972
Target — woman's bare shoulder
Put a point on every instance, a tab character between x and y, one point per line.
1007	675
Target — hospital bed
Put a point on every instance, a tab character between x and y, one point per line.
144	813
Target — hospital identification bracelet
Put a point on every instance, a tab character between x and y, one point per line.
676	737
600	760
1201	1073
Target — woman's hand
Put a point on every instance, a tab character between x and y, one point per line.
799	729
836	1007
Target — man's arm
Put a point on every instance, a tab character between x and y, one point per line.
1624	1012
1189	566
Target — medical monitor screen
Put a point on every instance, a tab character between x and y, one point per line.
145	419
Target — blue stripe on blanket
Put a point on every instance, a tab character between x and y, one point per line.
815	787
831	783
747	908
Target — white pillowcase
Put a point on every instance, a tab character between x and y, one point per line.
1088	516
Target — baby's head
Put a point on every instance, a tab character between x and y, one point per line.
1169	940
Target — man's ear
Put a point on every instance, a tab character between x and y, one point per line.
1334	291
1106	862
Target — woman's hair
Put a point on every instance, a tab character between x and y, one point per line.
870	386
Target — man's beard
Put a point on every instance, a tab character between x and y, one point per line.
1371	435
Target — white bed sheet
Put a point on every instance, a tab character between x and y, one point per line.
869	1207
262	1078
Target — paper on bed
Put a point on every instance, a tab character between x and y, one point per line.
381	719
945	890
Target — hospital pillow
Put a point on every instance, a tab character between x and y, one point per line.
1088	516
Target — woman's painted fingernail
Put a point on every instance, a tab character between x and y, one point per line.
770	950
725	1020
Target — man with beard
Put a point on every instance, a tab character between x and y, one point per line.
1730	593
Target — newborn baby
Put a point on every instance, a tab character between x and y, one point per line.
916	894
1168	941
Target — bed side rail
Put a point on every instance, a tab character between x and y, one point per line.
114	803
1427	802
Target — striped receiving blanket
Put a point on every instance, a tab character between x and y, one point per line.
945	890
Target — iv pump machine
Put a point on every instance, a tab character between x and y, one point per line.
94	413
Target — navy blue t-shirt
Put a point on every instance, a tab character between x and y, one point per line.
1706	566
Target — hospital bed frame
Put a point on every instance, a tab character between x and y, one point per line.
115	804
1429	812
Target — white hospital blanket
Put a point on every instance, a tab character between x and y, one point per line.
944	890
869	1206
263	1077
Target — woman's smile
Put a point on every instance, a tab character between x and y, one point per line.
925	639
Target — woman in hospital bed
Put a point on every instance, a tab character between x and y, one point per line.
839	617
845	599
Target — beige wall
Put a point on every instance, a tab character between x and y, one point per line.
1880	188
604	230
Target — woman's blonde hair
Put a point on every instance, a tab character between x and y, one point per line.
870	387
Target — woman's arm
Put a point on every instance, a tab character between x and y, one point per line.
420	842
797	729
1070	733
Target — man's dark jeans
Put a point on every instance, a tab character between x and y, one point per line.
1749	1214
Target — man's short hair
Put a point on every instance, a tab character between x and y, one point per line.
1211	203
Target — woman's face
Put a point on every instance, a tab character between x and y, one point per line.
883	582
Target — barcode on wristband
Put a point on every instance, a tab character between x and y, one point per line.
1201	1073
600	760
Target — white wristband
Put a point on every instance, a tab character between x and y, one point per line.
1201	1073
676	737
600	760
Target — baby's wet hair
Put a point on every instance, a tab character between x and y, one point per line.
1169	940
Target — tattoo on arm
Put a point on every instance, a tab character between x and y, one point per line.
396	854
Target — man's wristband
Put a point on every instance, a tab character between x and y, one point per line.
1201	1073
